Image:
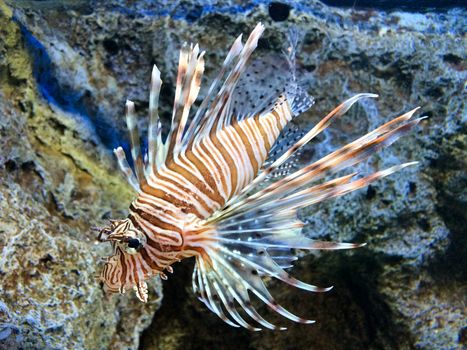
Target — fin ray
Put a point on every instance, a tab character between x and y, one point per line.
154	129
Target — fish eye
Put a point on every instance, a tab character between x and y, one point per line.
134	243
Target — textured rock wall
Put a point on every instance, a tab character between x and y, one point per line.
66	71
56	179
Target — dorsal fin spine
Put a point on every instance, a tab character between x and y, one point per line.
221	100
200	116
154	129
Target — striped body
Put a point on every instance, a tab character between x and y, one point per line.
206	191
202	179
200	182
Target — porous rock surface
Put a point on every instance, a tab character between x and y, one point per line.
56	180
404	290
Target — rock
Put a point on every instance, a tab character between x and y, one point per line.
403	290
56	181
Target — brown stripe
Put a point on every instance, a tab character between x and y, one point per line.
160	248
248	145
206	174
155	207
278	119
210	155
145	256
135	223
124	268
155	192
140	169
105	272
183	205
268	124
218	116
232	139
226	157
149	239
154	237
263	133
137	265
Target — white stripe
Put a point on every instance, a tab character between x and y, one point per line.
270	121
159	202
201	155
195	191
178	194
259	144
219	159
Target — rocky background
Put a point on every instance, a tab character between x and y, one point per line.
66	68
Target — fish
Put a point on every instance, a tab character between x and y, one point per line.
222	186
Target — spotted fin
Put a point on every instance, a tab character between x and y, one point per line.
268	78
289	136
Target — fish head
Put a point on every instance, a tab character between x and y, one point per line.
125	235
124	268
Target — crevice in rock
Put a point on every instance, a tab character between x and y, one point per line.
450	180
64	97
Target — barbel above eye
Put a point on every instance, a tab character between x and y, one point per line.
103	233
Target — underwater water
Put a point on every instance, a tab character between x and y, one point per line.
67	68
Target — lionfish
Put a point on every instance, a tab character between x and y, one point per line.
220	188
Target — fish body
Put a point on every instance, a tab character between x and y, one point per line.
202	179
216	188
